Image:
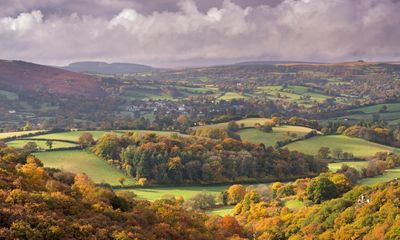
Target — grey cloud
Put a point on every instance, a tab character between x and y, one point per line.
193	33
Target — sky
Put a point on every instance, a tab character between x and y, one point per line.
171	33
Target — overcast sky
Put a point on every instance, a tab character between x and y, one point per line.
201	32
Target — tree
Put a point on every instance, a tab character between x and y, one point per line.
86	140
30	147
182	119
202	201
321	189
236	193
142	182
337	153
121	180
324	152
49	144
233	126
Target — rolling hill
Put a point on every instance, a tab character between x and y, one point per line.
25	76
107	68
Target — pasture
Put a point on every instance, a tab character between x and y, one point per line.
41	144
359	147
222	211
80	161
18	134
389	175
355	164
232	95
74	135
278	134
247	122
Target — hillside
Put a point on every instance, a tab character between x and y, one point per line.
25	76
107	68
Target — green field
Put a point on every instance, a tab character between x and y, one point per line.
359	147
41	144
74	135
78	161
18	134
278	134
391	107
389	175
154	193
293	93
248	122
8	95
294	204
221	211
232	95
355	164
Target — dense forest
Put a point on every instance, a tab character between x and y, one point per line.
187	159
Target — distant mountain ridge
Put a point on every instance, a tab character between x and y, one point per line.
107	68
26	76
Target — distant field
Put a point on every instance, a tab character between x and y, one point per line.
231	95
270	139
186	192
41	144
391	107
293	93
221	211
389	175
74	136
359	147
355	164
78	161
248	122
18	134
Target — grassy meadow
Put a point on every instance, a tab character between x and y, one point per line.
278	134
74	135
18	134
355	164
80	161
359	147
41	144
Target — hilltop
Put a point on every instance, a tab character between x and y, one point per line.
26	76
107	68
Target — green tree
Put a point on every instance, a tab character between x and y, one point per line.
49	144
321	189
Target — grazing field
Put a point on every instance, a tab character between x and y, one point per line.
40	144
278	134
79	161
223	211
355	164
232	95
74	135
389	175
247	122
18	134
391	107
359	147
155	193
300	94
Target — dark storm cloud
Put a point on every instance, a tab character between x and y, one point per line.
169	32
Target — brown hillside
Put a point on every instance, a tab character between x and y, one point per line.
24	76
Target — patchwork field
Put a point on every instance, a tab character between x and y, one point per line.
186	192
18	134
359	147
40	144
74	135
231	95
248	122
78	161
278	134
389	175
355	164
